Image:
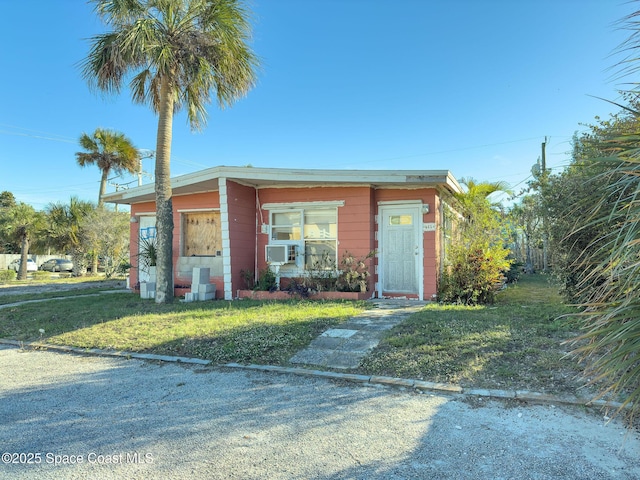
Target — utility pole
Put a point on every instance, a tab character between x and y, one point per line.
545	236
118	188
141	173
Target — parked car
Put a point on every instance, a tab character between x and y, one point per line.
15	265
57	265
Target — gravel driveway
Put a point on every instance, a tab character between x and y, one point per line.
89	417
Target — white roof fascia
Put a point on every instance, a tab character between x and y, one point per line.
279	177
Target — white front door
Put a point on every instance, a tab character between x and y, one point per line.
400	249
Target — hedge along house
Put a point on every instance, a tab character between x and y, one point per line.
225	217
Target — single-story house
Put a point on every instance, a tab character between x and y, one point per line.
225	217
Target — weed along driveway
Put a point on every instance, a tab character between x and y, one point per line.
69	416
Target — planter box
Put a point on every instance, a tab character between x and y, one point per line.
177	291
180	291
279	295
343	296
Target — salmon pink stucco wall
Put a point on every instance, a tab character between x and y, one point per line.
242	216
356	219
183	203
241	201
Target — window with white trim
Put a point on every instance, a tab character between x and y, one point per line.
314	232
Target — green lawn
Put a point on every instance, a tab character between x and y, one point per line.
242	331
514	344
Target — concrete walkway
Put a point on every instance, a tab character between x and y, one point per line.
345	346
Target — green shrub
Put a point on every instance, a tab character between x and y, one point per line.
322	275
354	273
41	275
351	276
472	277
248	278
475	257
514	272
266	280
7	276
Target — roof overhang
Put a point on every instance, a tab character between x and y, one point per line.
207	181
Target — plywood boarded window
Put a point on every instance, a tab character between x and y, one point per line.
201	234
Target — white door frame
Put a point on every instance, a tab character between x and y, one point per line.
415	208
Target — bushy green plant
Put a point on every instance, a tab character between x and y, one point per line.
354	273
299	286
41	275
473	278
266	280
513	273
7	276
607	274
322	275
123	268
248	278
148	253
476	259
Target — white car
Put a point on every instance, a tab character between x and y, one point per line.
15	265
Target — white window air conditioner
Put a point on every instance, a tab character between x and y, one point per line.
280	254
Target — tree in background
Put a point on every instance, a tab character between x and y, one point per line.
476	258
111	152
7	200
22	224
107	233
64	230
179	52
527	219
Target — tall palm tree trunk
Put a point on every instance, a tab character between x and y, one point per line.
24	250
103	190
164	205
103	187
78	258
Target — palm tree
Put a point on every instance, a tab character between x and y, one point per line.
476	258
176	52
479	192
22	223
65	230
111	152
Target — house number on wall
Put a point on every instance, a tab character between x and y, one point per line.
429	227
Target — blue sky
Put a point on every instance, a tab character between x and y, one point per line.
472	86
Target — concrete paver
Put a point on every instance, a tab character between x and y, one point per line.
345	346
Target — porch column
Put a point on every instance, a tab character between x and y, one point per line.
226	243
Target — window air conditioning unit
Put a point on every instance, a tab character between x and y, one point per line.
280	254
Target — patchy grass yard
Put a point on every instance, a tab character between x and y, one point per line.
515	344
242	331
